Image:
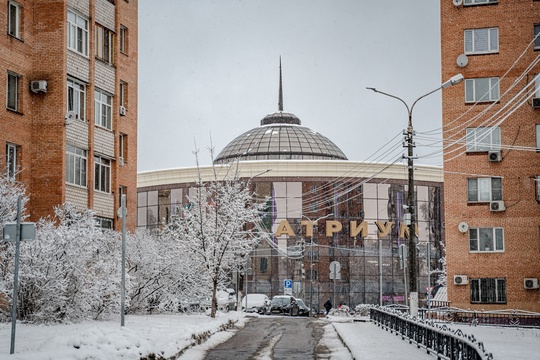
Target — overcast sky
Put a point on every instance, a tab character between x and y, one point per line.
209	69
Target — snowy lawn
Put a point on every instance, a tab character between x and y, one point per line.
164	335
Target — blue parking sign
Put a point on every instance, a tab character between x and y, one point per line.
287	284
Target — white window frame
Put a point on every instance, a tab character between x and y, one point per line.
537	181
77	33
486	240
483	139
479	2
122	147
14	19
536	33
11	161
12	91
76	98
474	38
484	189
123	39
472	86
495	286
103	109
104	44
102	174
537	137
122	93
76	166
104	223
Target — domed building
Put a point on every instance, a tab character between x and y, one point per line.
336	224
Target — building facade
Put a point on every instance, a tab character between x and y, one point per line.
491	132
69	127
322	210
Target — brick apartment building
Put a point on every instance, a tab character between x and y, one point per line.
69	126
492	153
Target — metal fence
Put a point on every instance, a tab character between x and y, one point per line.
435	338
496	317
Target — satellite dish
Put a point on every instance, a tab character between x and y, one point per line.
463	227
457	2
462	60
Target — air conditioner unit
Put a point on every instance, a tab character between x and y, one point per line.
123	110
497	206
494	155
38	86
460	280
530	283
536	103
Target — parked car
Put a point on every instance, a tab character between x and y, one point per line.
284	304
303	310
259	303
226	299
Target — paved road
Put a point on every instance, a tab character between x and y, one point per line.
275	337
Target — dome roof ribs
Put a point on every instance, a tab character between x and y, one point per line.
280	100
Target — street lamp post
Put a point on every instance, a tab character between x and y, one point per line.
311	260
409	133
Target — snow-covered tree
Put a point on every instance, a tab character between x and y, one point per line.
71	271
441	278
9	193
161	274
221	227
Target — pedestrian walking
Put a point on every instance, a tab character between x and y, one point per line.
328	306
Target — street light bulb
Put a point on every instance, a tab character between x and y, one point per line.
454	80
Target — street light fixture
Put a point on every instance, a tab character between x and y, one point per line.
311	260
413	269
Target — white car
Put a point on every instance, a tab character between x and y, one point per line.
259	303
226	299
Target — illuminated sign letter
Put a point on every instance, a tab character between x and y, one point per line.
309	227
333	226
360	229
384	228
284	228
404	230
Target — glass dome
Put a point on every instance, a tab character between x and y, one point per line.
280	137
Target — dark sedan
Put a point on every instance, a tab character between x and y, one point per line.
284	304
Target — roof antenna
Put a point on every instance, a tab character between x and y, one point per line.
280	102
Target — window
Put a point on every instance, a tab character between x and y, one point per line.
263	266
76	101
76	165
479	2
102	174
481	90
11	161
537	137
103	109
104	223
14	19
537	36
104	44
537	181
482	41
122	148
486	239
537	85
77	33
483	139
484	189
12	101
488	291
123	94
123	39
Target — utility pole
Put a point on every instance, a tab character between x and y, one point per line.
411	203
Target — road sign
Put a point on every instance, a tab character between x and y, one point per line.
287	286
335	266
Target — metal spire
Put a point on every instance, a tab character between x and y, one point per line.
280	102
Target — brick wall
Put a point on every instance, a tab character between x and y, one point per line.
521	220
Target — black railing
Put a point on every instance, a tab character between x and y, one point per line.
439	339
500	318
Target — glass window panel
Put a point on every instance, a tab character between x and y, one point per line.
152	198
499	238
469	90
481	40
482	89
141	216
494	39
484	189
486	239
496	188
141	199
472	190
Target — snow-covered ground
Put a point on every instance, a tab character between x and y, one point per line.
168	335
